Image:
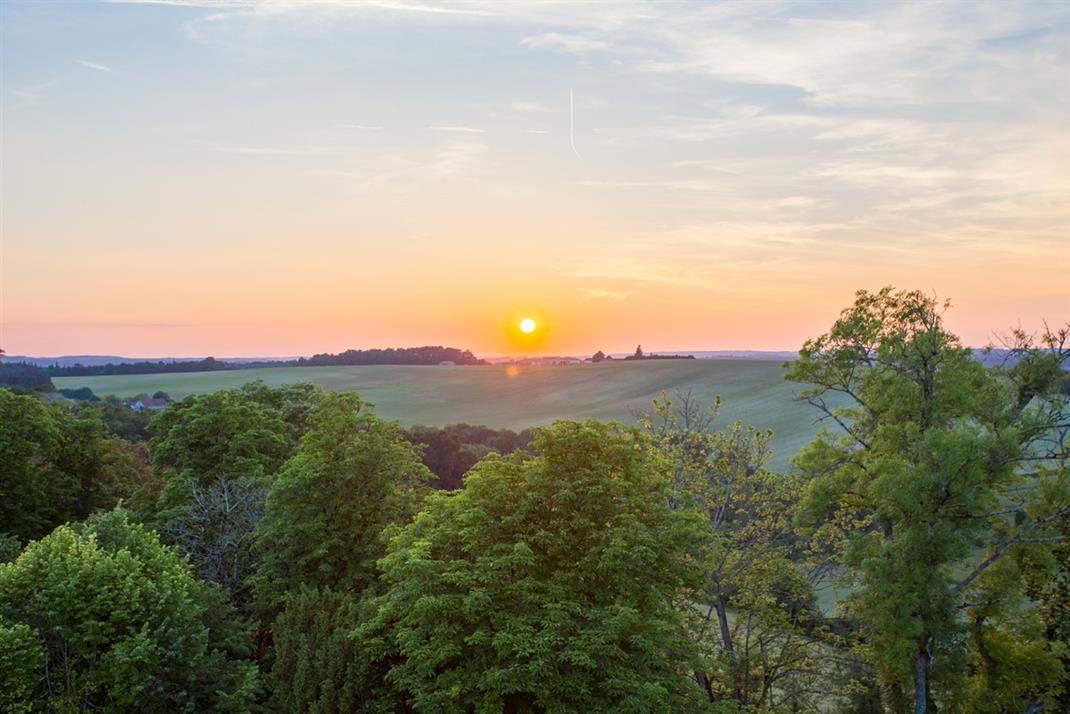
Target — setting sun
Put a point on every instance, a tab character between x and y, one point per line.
527	325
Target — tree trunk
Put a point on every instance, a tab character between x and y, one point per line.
921	681
922	695
722	619
726	639
704	681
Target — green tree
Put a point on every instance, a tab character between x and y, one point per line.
101	468
942	470
352	475
758	608
217	454
122	625
31	490
450	451
318	666
550	583
224	432
21	656
295	402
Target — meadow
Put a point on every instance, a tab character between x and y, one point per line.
520	397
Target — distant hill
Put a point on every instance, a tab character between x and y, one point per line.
517	397
87	360
98	360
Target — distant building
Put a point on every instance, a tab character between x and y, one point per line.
447	363
150	404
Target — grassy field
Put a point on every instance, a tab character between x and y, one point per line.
753	391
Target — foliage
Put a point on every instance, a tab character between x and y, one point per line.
208	364
405	355
31	488
10	547
352	475
24	376
219	433
941	471
85	394
757	605
218	454
318	666
122	421
449	452
100	468
295	402
122	625
58	463
214	526
550	583
21	657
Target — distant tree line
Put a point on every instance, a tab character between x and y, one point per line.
27	376
208	364
403	355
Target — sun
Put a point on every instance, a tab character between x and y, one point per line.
527	325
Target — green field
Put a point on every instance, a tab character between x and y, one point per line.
753	391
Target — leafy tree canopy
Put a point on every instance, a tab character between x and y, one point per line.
550	583
108	618
940	472
352	475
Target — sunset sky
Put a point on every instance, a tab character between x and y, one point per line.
189	178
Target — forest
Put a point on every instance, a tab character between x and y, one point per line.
284	549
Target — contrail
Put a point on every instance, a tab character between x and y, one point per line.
572	123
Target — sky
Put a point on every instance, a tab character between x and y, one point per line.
191	178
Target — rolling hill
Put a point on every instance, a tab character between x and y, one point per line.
519	397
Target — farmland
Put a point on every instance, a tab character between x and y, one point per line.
520	397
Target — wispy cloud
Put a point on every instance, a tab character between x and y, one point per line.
94	65
30	95
574	43
675	185
275	150
458	129
527	107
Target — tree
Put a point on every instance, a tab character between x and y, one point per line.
318	666
58	463
108	618
224	432
941	473
554	582
32	489
449	452
638	352
352	475
218	454
214	526
757	602
295	402
101	468
21	657
598	356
